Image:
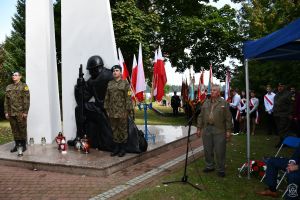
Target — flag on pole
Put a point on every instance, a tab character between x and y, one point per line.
201	88
134	75
227	86
125	73
191	86
210	81
154	88
140	80
161	77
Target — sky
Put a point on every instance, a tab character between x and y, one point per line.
8	9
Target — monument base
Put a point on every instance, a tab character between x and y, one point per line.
96	163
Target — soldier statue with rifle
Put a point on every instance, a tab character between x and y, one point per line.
91	118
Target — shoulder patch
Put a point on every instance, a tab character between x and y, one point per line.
129	93
26	88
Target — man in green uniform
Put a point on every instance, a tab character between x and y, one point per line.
16	106
118	105
214	126
282	111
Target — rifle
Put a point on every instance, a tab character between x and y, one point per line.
82	117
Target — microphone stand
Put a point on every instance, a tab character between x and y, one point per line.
184	178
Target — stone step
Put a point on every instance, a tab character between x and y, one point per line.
97	163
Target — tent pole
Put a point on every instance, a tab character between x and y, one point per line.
248	116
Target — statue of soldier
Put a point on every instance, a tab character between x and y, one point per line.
16	106
91	118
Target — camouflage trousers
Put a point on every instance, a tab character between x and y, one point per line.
18	127
120	129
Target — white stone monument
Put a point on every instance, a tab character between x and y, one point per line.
44	118
86	30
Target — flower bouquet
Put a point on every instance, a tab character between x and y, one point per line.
257	168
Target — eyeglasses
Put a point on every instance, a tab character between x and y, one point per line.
15	75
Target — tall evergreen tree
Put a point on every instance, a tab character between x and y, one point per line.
14	45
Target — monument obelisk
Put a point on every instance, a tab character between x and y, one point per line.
44	119
86	30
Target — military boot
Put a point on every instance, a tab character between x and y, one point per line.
122	150
23	143
116	150
15	147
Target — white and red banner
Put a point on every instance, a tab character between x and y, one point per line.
201	88
227	86
134	75
125	73
154	77
138	77
161	77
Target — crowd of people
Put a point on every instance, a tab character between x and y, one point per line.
281	111
218	118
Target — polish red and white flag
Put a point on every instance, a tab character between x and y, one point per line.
125	73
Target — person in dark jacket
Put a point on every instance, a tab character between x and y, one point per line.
175	103
291	166
282	111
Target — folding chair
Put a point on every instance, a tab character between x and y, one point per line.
290	141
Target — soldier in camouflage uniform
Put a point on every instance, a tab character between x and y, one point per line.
118	105
16	106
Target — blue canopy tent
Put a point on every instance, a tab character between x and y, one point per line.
283	44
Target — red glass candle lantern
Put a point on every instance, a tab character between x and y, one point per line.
85	145
58	139
63	146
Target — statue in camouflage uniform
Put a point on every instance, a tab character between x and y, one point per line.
118	106
16	106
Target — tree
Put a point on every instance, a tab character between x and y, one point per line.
189	31
132	26
194	33
258	19
14	46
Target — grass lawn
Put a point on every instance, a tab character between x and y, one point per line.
231	187
5	132
156	119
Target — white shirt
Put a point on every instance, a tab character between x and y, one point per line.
268	105
253	102
235	101
242	105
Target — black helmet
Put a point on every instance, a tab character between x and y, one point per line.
94	62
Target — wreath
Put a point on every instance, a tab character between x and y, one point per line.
257	168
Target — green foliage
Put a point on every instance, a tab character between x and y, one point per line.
167	89
262	17
189	31
12	51
132	26
5	132
14	46
259	19
194	33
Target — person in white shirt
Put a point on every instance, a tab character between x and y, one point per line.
253	106
241	116
235	101
269	102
